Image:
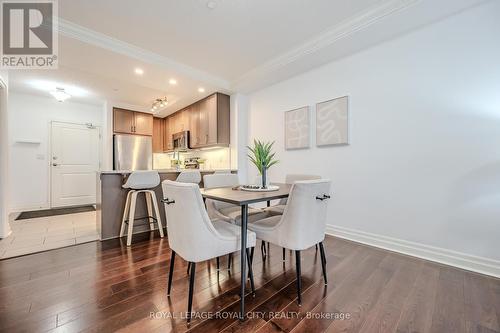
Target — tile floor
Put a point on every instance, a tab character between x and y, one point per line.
46	233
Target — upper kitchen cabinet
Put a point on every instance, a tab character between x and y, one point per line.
143	123
158	135
168	144
132	122
181	120
123	121
209	121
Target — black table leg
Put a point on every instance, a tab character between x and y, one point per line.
244	217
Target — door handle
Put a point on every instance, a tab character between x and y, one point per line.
55	164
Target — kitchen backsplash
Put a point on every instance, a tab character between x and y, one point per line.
216	158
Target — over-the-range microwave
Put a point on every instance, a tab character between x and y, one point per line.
181	140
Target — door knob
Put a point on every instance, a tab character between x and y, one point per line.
54	164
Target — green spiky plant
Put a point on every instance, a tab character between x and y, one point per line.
262	155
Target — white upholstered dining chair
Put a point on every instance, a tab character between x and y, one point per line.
193	236
226	211
302	224
290	179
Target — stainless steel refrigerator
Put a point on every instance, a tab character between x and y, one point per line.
132	152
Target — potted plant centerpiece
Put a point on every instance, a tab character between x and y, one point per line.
262	156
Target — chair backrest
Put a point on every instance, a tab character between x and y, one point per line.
141	180
292	178
191	234
220	180
189	176
303	223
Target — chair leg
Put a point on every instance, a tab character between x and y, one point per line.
229	259
251	255
316	247
157	213
189	267
218	263
299	282
149	205
323	261
171	272
125	213
191	287
131	218
250	272
284	254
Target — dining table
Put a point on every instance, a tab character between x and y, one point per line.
238	196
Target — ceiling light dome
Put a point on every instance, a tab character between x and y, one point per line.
60	95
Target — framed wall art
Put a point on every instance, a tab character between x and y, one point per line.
332	122
297	128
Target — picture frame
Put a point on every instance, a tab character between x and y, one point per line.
332	122
297	128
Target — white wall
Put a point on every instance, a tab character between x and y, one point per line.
4	157
423	165
239	134
30	118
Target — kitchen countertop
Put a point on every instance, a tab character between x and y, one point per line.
114	172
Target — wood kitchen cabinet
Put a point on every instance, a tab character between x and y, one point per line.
181	121
158	135
123	121
168	144
143	123
206	120
209	121
132	122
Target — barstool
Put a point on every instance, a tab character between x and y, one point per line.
141	182
189	176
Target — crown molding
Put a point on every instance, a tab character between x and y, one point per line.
329	37
78	32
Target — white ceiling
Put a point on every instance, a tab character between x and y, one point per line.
241	45
227	41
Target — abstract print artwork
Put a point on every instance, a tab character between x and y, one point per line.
332	122
297	128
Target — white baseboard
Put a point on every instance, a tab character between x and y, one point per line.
440	255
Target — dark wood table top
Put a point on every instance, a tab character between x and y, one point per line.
240	197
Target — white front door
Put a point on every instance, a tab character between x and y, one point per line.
74	164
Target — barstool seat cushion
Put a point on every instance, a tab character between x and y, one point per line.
142	180
189	176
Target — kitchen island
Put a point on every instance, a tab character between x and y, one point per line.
111	201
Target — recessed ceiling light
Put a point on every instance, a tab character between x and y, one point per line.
172	81
60	94
201	90
139	71
211	4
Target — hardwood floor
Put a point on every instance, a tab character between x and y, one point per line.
106	287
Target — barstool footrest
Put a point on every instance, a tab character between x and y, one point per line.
143	218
